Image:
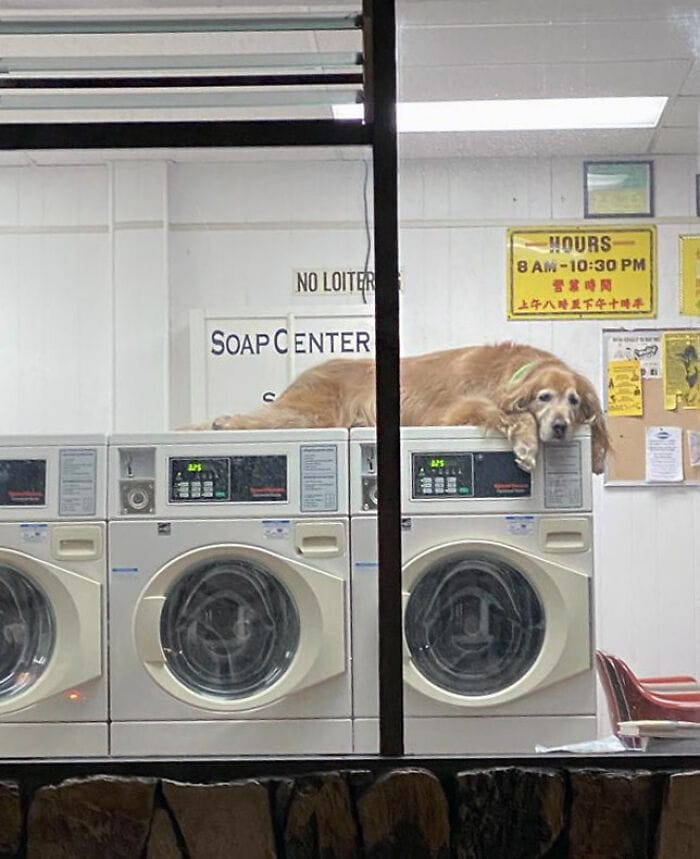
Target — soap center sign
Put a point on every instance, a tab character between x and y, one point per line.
239	362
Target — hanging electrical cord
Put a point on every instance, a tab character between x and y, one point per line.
368	231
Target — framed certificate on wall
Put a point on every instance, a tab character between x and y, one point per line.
613	189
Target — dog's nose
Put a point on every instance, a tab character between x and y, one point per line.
559	429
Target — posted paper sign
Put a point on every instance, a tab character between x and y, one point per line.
694	447
664	454
625	388
681	367
576	272
644	347
690	275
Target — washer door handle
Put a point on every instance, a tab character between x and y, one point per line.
319	539
147	629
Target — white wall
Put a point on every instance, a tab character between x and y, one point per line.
83	290
54	312
238	231
100	265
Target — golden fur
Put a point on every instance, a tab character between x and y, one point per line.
528	394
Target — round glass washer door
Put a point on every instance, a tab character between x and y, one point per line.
474	625
229	628
27	632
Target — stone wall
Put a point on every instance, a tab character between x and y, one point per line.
509	812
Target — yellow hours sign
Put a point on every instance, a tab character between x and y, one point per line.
581	273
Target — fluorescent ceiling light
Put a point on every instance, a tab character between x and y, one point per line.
539	114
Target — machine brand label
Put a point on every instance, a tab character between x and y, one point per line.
33	532
276	529
125	571
520	525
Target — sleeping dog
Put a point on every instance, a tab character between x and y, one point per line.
528	394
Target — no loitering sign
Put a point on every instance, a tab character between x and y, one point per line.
580	273
330	282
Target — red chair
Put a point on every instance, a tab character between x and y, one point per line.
629	699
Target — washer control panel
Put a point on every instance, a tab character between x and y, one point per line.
449	474
228	478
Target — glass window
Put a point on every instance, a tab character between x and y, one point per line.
229	628
28	630
474	624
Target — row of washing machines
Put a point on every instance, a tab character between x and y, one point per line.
192	594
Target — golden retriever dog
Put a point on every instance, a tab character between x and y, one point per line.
528	394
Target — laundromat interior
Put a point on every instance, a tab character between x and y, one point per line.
146	289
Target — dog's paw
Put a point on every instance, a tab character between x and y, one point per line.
525	456
222	422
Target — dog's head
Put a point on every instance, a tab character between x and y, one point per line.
561	400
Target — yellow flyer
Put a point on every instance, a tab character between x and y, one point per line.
690	275
681	369
625	388
581	272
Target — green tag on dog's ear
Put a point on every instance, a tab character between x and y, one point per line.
520	372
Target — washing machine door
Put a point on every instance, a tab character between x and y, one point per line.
232	627
50	630
485	623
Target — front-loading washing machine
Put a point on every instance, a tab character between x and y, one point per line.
497	604
229	601
53	574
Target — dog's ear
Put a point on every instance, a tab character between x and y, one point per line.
517	397
592	413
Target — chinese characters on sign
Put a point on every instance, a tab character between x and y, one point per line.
579	273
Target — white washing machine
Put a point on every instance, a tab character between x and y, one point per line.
497	602
229	600
53	574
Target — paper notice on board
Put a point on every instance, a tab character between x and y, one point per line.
643	347
681	368
625	388
694	447
664	454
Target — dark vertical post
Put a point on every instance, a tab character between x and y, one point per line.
380	46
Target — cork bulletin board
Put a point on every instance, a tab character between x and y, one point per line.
652	399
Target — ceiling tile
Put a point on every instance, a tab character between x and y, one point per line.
683	111
530	144
675	141
561	80
692	82
589	42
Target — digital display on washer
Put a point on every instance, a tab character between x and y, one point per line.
204	478
440	475
22	482
487	474
228	478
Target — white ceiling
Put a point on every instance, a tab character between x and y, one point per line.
480	49
475	49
